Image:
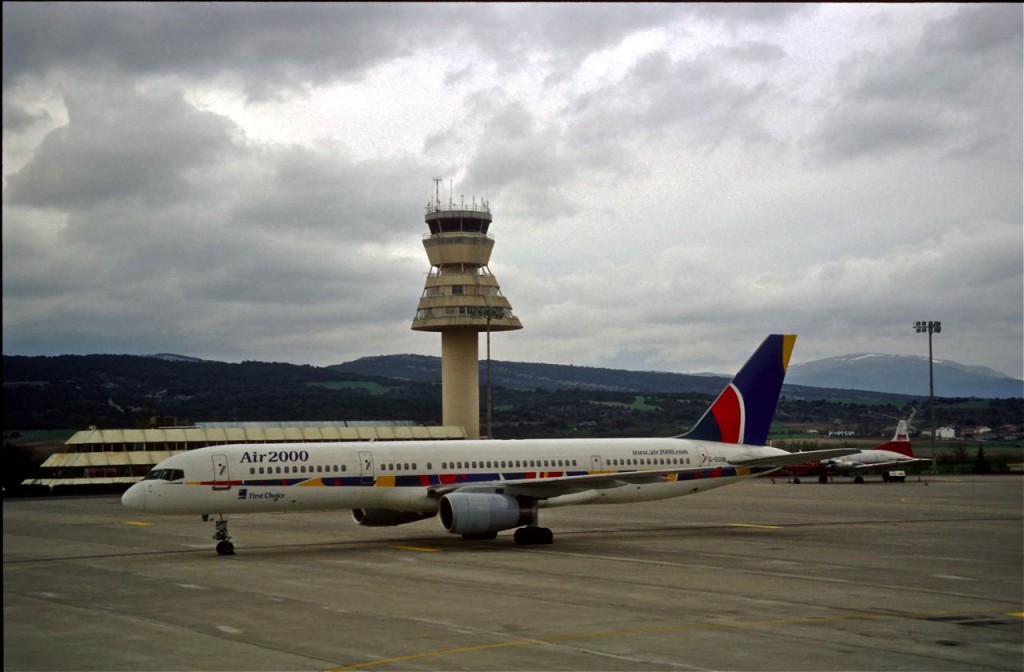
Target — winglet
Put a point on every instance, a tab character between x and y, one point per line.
743	412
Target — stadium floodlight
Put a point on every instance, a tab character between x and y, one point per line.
930	327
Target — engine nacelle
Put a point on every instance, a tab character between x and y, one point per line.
481	513
386	517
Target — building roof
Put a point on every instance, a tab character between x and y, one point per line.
258	434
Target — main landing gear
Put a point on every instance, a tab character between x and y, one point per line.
530	535
224	545
533	535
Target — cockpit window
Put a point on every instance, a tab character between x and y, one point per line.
165	475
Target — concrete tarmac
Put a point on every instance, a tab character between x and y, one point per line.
755	576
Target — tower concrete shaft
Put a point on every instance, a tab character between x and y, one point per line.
461	298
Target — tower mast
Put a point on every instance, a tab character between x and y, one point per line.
461	298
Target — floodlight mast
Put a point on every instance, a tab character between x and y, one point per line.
931	327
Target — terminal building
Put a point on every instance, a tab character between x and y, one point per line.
123	456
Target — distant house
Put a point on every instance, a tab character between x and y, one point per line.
945	433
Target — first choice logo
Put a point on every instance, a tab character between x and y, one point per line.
272	496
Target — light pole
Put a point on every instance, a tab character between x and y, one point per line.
922	326
496	313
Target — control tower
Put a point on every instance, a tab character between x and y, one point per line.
461	299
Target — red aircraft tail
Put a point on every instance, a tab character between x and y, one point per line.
900	442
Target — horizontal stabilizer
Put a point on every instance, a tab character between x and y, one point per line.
796	458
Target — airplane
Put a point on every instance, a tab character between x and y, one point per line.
479	488
896	453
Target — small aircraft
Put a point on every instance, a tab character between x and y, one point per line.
888	459
480	488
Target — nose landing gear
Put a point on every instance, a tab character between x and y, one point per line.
224	545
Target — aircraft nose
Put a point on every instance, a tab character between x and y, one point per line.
134	498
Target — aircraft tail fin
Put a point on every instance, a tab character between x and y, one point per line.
743	412
900	442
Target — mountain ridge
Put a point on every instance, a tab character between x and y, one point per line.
905	374
866	372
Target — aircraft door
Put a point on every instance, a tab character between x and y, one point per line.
702	454
366	472
595	463
221	473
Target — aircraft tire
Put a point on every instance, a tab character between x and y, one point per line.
482	536
823	479
796	481
225	548
531	536
858	479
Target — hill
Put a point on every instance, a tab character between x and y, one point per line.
530	400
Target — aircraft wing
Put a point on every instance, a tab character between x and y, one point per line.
555	486
883	466
796	458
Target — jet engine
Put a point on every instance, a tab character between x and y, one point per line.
386	517
483	515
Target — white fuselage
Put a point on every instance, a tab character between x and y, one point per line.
406	475
867	458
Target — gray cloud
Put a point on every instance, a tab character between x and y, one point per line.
669	182
119	145
264	46
948	93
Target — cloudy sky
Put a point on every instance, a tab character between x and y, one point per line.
669	182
